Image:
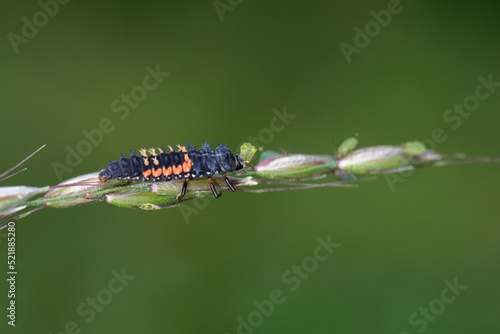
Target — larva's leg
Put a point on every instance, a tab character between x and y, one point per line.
229	183
212	187
183	191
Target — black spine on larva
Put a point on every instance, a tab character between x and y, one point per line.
161	160
208	162
167	162
225	159
135	164
126	167
177	158
195	156
151	166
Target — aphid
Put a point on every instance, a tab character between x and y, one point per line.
187	163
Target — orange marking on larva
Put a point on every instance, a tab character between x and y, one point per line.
167	171
155	161
146	161
187	164
146	173
143	152
182	148
177	170
157	172
171	149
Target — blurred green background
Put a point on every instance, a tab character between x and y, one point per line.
226	76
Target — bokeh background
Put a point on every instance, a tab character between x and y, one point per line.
198	275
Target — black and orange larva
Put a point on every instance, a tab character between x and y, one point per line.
187	163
